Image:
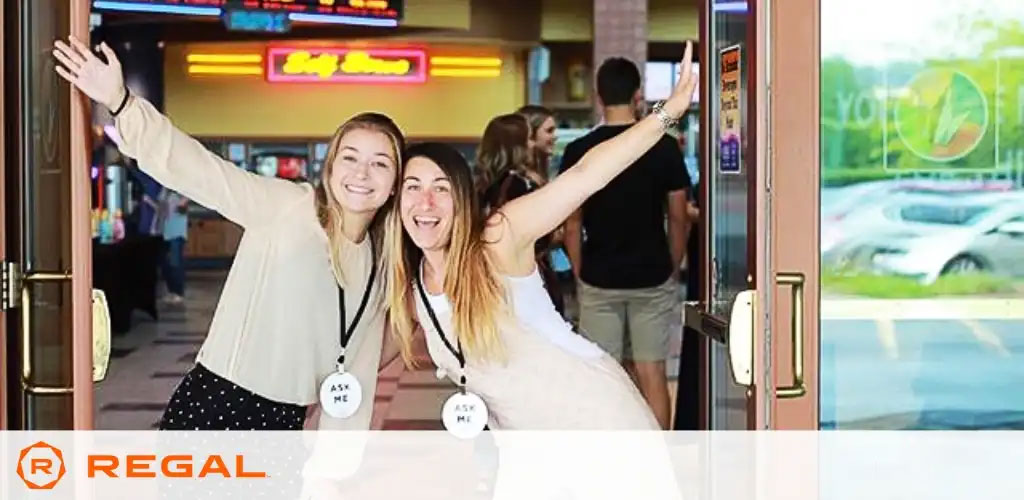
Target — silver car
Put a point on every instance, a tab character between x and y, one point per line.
927	237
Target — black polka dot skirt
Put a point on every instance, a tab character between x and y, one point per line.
205	401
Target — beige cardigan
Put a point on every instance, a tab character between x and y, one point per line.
276	328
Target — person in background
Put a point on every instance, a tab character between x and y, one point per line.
174	213
542	145
505	170
148	207
627	268
542	134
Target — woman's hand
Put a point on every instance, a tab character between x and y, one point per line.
682	95
102	81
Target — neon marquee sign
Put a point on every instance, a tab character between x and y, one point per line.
346	65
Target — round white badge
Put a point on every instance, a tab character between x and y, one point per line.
340	395
464	415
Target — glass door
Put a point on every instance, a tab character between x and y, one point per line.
48	342
727	196
760	230
922	215
895	237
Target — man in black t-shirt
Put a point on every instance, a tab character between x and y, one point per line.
626	266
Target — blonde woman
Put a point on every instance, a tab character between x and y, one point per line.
471	282
302	304
542	134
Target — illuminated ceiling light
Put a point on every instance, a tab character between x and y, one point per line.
465	72
332	19
476	62
199	69
157	8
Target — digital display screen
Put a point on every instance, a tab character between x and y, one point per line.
328	11
256	20
390	9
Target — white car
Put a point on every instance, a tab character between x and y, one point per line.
926	238
852	211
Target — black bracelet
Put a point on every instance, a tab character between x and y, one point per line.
124	102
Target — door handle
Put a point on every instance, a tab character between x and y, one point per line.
695	316
26	333
741	338
100	336
737	334
796	283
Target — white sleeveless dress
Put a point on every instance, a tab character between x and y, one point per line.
551	379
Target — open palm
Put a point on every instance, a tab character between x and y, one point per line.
101	81
682	94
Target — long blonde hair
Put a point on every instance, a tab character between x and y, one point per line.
473	288
329	211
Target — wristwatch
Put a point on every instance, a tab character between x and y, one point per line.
667	121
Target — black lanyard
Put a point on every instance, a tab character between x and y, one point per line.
457	352
346	334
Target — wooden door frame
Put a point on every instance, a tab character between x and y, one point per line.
3	229
81	236
795	60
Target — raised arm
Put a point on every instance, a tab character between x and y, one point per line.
170	156
532	216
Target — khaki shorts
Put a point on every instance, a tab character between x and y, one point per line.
606	315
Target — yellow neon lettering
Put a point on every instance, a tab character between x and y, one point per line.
302	62
357	62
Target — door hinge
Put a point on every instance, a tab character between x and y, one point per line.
10	285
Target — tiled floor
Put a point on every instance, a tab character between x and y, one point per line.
148	362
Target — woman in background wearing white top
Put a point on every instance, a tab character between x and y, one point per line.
472	283
300	306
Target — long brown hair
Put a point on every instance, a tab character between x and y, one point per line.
470	283
329	211
503	149
536	116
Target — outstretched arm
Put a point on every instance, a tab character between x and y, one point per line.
532	216
170	156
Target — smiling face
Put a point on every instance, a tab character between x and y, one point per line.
427	205
363	173
544	137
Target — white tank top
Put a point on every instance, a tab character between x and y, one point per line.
552	378
533	310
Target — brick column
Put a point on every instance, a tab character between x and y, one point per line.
620	30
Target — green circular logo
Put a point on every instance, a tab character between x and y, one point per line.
942	116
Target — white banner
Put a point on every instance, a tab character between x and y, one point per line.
512	465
